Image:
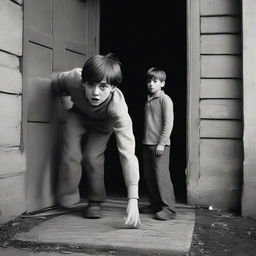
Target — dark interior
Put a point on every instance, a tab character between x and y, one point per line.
143	34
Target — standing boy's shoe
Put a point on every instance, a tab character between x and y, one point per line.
164	215
93	211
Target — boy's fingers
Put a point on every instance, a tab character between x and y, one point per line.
159	152
129	220
134	223
132	220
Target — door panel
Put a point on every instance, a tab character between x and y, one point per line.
40	100
76	17
55	39
40	175
38	65
39	96
39	60
40	15
73	59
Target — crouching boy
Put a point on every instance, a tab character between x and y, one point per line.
99	108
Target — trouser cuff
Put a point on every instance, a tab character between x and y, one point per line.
69	200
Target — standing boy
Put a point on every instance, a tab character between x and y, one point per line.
99	108
156	147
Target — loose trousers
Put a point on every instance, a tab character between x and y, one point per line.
73	156
157	177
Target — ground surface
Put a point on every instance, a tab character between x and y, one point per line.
222	233
216	233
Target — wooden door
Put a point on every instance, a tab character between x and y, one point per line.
58	35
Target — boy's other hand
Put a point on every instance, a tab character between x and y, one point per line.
159	150
66	102
132	213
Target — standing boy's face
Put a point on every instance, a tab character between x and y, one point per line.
97	93
155	85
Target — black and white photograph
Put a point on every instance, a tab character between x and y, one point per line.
127	128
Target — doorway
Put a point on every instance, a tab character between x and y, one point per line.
143	34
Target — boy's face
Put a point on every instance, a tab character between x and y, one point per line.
97	93
155	85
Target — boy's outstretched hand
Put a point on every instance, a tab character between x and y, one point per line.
132	214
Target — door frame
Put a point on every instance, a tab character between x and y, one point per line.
249	120
193	98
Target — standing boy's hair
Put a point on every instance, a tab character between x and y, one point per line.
101	67
156	73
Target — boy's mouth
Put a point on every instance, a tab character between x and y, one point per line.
95	101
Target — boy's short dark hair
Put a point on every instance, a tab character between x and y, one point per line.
101	67
156	73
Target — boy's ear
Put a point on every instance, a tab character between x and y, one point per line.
163	84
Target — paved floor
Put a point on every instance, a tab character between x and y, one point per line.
163	237
26	252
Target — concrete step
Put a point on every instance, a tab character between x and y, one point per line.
161	237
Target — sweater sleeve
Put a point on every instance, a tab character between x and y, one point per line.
126	146
61	81
58	84
167	119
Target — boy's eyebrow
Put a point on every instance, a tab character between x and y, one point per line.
105	83
101	83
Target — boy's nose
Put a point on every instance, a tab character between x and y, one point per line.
95	90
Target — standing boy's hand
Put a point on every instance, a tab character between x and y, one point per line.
132	213
159	150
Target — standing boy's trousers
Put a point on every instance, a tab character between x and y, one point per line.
72	158
157	177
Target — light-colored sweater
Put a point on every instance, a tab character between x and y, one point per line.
158	119
111	115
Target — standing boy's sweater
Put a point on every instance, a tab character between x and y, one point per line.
158	119
112	114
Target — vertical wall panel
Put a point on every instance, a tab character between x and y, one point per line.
220	121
